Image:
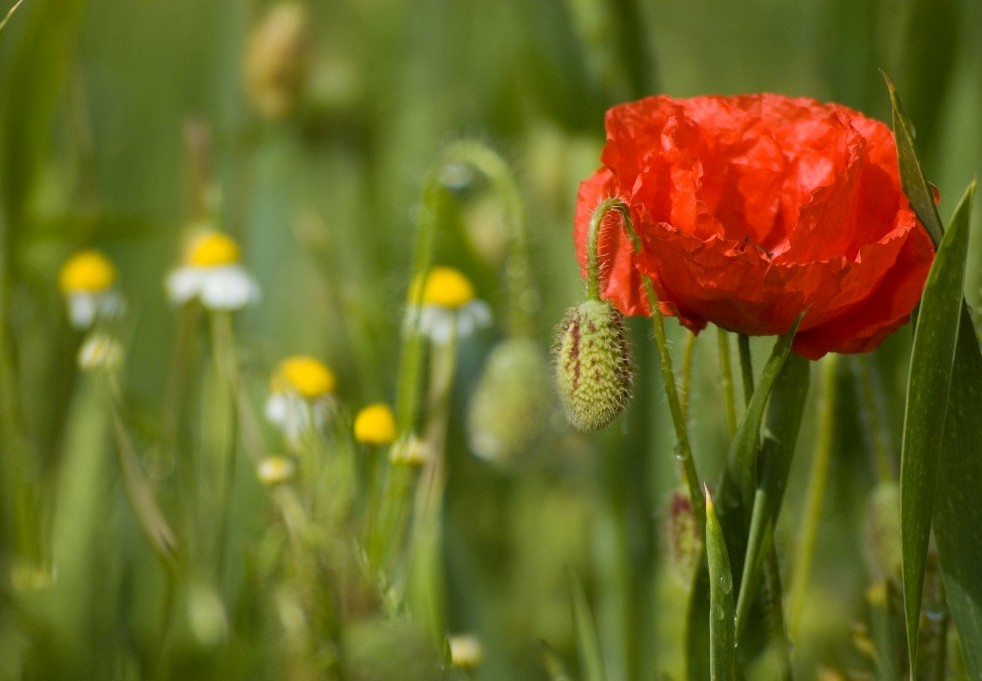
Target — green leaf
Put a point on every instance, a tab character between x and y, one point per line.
781	426
911	176
957	512
722	620
587	639
927	404
736	490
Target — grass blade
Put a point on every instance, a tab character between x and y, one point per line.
587	638
722	620
927	402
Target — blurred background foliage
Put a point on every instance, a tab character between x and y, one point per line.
121	123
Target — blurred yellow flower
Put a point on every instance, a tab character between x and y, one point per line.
301	396
210	271
375	425
447	305
274	470
87	280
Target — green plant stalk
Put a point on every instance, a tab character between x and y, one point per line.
817	481
658	324
726	380
722	633
872	417
520	292
746	366
424	550
687	354
226	365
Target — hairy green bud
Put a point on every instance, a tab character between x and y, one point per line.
594	369
510	408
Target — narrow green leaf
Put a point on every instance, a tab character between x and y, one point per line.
734	506
9	14
722	620
911	176
928	386
957	512
587	639
783	420
741	459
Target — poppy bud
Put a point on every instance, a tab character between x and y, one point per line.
681	537
510	408
594	369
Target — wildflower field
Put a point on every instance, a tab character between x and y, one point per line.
573	340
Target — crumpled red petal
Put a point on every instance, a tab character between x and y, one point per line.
754	209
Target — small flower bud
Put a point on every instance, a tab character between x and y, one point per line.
466	651
276	60
681	538
594	369
100	351
883	532
510	408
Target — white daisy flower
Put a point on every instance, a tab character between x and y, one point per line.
211	273
301	397
87	279
448	306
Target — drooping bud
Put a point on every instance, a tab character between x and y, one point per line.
594	369
510	408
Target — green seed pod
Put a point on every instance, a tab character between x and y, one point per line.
509	411
883	532
594	369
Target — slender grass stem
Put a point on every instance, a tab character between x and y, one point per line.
686	389
817	480
746	366
726	380
224	355
872	417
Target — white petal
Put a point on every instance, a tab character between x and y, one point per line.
183	284
228	288
81	309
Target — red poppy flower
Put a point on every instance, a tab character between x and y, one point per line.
754	209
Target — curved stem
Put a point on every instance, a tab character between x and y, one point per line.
658	324
687	354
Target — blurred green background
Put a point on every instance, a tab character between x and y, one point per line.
112	112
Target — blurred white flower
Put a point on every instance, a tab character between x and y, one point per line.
210	271
301	396
87	279
447	306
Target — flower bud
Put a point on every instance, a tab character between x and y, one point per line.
276	60
681	538
594	369
510	408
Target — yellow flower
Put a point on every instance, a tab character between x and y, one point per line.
210	271
301	396
87	270
87	280
444	304
274	470
307	376
375	425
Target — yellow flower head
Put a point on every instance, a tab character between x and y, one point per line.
274	470
212	249
308	377
88	271
444	287
375	425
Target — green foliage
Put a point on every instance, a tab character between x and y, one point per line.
140	536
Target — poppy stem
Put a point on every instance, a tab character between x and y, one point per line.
726	380
658	323
593	241
746	366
